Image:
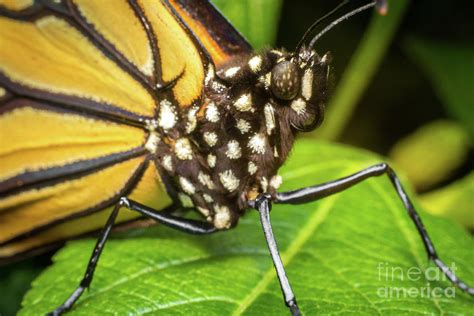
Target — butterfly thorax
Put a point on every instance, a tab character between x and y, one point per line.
243	130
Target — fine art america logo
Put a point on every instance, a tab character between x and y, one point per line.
395	277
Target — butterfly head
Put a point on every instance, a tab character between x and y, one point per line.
300	82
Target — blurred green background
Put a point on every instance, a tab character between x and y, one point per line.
403	89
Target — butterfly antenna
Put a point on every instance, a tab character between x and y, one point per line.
315	24
381	6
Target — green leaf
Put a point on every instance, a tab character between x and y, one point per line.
445	144
339	253
453	201
257	20
450	68
361	69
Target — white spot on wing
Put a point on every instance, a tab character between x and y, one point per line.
210	138
233	150
257	144
167	116
183	149
229	180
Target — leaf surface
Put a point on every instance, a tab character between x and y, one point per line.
453	201
339	253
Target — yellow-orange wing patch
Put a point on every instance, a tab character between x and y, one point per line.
179	56
80	81
149	191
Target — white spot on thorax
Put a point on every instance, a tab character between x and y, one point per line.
192	120
257	144
151	125
207	198
243	126
218	87
187	186
168	163
204	211
276	52
276	181
252	167
244	103
255	63
222	217
210	74
264	184
229	73
211	160
269	118
299	106
167	116
307	85
183	149
233	150
210	138
152	142
229	180
212	113
266	80
206	180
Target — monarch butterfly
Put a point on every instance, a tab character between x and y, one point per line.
143	99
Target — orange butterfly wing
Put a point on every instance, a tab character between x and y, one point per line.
79	80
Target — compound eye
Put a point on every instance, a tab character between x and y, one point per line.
285	80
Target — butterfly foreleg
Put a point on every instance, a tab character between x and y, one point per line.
263	205
185	225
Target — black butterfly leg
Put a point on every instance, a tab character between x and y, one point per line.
322	190
185	225
263	204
